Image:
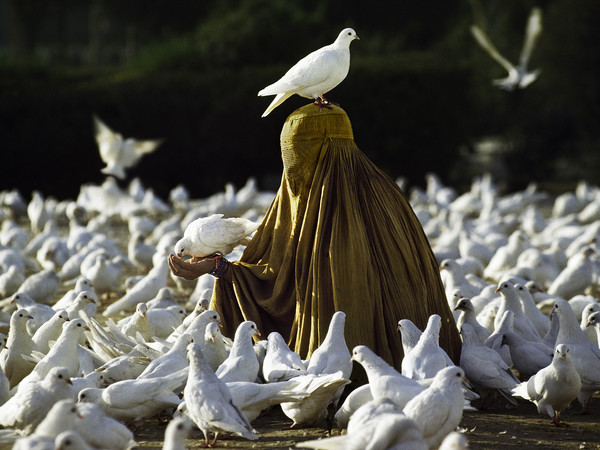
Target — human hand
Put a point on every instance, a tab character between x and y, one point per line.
189	270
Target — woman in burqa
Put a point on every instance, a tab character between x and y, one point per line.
340	235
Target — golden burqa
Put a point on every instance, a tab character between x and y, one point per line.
339	236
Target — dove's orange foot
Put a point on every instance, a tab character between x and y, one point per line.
322	102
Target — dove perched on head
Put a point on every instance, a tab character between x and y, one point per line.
315	74
553	387
117	153
215	234
209	403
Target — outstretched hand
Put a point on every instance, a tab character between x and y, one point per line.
189	270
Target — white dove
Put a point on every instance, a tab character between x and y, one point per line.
384	380
519	76
39	312
209	403
100	430
134	400
438	410
61	417
377	425
528	357
117	153
176	433
484	367
242	363
333	354
554	387
215	234
213	347
28	407
467	315
62	354
172	361
144	290
19	343
281	363
316	406
427	358
253	398
315	74
585	354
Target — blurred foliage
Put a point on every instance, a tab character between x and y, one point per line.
419	91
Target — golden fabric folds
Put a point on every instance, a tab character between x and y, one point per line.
339	236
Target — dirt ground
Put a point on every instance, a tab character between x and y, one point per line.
519	427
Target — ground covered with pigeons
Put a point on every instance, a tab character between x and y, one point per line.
500	427
134	217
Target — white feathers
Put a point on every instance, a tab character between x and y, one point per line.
117	153
315	74
214	234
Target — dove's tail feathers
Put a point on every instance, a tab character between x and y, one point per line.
278	100
278	87
521	391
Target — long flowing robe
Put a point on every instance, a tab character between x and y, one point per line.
340	235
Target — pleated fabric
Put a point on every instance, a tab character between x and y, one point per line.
340	235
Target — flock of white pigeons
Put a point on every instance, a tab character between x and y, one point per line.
99	336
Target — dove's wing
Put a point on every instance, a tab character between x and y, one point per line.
431	410
487	45
311	70
532	33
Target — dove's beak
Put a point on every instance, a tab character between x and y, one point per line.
588	324
92	300
87	329
69	381
356	37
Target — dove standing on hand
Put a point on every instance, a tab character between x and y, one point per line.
315	74
214	235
